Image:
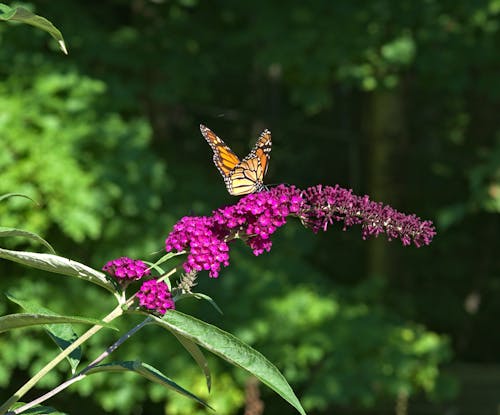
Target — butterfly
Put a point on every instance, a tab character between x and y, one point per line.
245	176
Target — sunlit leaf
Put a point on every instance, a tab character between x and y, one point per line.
58	265
163	259
7	195
231	349
5	232
20	320
23	15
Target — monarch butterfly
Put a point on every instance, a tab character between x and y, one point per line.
245	176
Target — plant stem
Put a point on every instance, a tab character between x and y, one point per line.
83	372
118	311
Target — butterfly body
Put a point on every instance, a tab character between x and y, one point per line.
240	176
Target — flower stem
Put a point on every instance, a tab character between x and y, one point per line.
118	311
83	372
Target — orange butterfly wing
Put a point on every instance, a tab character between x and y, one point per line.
241	177
262	151
224	159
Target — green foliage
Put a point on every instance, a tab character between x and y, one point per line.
55	139
187	329
338	346
142	78
42	131
225	403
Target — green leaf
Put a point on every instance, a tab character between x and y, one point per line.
167	256
7	195
150	373
6	12
38	409
58	265
62	334
23	15
231	349
5	232
197	355
163	259
20	320
200	296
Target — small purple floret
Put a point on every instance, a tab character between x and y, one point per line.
126	269
155	296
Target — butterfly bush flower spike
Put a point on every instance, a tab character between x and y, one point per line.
324	205
125	269
255	217
155	296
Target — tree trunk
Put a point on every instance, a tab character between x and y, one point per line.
385	130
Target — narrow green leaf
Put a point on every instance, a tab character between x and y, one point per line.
58	265
150	373
154	266
20	320
163	259
7	195
200	296
23	15
167	256
6	12
62	334
5	232
197	355
231	349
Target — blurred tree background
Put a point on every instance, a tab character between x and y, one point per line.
397	100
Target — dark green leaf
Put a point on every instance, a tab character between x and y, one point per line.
200	296
62	334
150	373
38	409
197	355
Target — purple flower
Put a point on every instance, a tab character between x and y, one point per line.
207	248
126	269
155	296
255	217
325	205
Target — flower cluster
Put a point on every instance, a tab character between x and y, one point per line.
208	249
154	295
255	217
326	205
126	269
